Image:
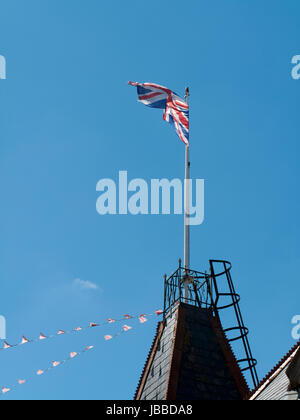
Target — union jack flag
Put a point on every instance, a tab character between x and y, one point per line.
176	110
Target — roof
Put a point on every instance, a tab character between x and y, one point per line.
275	372
148	362
190	358
293	372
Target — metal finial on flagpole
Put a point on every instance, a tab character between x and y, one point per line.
186	211
187	94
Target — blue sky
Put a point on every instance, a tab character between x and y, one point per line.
68	119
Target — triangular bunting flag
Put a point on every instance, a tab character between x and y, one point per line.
24	340
127	328
89	348
143	319
108	337
55	364
7	346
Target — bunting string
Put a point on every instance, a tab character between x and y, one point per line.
142	319
54	364
40	372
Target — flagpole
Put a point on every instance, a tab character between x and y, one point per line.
186	211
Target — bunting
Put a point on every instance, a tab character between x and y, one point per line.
42	337
73	354
41	372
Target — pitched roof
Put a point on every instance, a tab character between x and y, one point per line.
275	371
293	372
148	362
197	360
